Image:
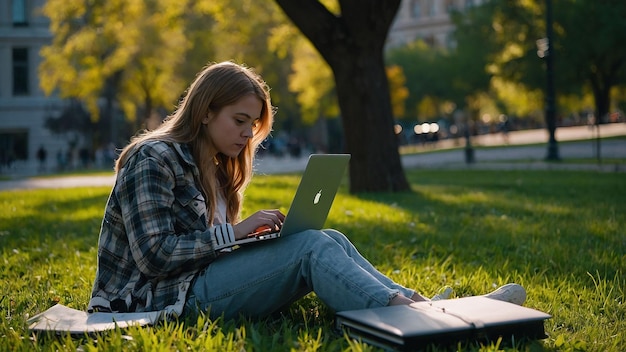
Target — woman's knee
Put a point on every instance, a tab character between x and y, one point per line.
321	239
338	237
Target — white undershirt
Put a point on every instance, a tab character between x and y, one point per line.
219	217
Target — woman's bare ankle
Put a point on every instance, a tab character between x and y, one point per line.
400	300
419	298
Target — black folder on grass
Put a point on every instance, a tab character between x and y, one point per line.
445	322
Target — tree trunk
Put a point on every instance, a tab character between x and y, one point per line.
352	44
365	104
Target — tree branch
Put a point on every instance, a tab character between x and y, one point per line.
315	21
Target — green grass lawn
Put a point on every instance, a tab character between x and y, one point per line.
559	234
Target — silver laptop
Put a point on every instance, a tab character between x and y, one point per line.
314	197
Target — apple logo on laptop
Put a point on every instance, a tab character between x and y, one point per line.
317	197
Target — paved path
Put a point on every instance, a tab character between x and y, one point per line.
516	155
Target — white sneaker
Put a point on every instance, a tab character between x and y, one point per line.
444	293
512	293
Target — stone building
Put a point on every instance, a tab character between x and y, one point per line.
23	105
428	20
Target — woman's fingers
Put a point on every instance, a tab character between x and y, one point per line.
272	217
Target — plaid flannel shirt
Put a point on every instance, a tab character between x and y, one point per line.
154	236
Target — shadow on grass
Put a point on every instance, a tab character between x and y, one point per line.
528	223
50	218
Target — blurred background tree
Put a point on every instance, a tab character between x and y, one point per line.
97	52
589	58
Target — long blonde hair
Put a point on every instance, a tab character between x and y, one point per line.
216	86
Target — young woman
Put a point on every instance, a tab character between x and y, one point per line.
177	201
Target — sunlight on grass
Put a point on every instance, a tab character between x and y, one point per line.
559	234
496	200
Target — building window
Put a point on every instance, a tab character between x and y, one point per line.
13	147
432	8
20	71
416	9
450	6
19	13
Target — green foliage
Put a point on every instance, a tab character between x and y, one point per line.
397	89
559	234
490	41
494	55
426	74
90	43
588	57
143	65
128	52
151	80
312	81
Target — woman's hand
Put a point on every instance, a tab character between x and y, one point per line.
272	217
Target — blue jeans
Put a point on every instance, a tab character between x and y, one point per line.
258	280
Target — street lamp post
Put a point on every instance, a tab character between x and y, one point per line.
553	149
469	150
461	118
